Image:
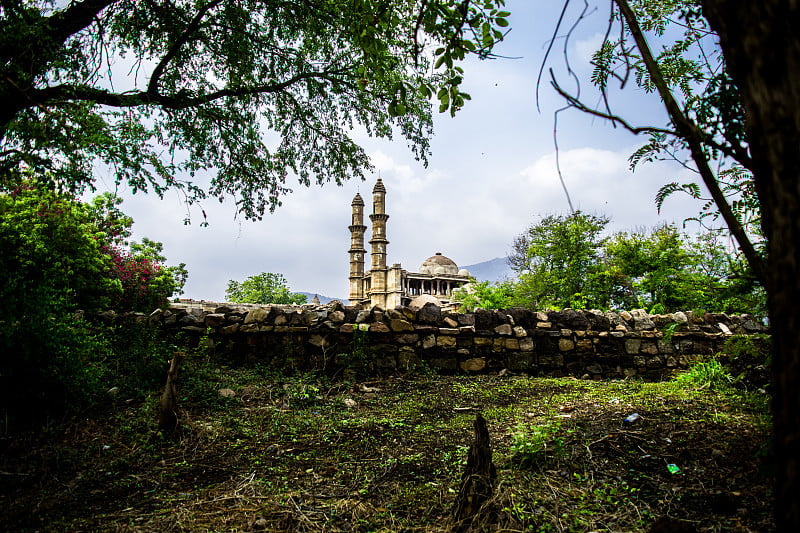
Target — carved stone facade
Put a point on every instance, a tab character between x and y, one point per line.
390	287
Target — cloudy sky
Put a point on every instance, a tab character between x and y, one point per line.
492	173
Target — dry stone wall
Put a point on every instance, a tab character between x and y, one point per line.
581	343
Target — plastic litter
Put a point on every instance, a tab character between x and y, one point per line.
635	417
673	469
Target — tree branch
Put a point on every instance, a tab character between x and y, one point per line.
152	86
577	104
689	131
60	93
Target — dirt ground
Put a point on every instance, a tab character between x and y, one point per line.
307	453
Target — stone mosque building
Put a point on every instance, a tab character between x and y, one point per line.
390	286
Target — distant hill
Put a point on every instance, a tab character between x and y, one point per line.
493	270
322	299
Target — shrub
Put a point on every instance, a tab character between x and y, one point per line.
710	374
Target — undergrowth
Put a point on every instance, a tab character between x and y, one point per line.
310	453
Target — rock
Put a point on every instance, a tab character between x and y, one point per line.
503	329
214	320
363	316
473	365
258	314
420	301
397	324
227	393
641	320
350	403
430	313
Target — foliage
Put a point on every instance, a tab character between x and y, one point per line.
247	91
557	262
49	361
529	444
79	247
48	237
563	261
264	288
484	294
710	374
703	103
146	282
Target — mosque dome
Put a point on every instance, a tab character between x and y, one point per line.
439	265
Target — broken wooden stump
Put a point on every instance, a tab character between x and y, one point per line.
478	481
168	407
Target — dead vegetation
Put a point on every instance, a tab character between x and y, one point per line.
307	454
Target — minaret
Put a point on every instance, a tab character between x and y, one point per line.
357	251
378	242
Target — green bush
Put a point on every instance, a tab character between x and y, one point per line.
50	357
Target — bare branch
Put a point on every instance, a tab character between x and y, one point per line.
577	104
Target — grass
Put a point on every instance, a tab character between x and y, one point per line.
293	453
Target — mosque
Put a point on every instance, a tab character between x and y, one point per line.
389	287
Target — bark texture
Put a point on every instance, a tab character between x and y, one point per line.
761	45
168	407
477	483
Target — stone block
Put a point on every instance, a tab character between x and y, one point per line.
512	344
632	346
449	331
378	327
544	325
229	330
397	324
565	345
483	341
446	341
449	322
259	314
475	364
407	358
519	331
214	320
407	338
649	348
336	317
429	341
503	329
526	344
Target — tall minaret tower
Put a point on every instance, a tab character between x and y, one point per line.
357	251
378	242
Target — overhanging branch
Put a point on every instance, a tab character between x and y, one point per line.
689	131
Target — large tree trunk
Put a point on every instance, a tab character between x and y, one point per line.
761	45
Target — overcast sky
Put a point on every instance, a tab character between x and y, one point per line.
492	173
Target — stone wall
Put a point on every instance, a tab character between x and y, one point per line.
581	343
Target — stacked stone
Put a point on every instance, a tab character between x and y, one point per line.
591	344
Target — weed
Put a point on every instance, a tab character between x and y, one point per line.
710	374
529	444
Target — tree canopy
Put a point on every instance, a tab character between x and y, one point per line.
264	288
226	98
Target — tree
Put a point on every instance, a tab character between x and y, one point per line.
166	92
264	288
557	261
762	51
760	54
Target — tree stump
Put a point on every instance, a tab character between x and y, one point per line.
168	407
477	483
